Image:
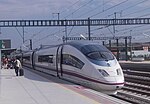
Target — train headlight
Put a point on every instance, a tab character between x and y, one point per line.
103	72
118	71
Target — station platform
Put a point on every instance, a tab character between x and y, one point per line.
35	89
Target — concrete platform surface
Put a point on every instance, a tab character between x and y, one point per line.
34	89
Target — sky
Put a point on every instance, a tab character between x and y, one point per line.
71	9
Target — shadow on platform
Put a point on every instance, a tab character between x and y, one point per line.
34	75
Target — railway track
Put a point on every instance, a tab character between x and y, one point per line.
137	87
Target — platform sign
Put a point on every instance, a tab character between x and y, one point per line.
4	44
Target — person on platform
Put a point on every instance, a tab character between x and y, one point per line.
17	66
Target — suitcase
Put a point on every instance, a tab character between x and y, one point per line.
21	72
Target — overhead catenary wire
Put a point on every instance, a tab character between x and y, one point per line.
78	8
49	35
137	17
145	15
65	17
71	6
134	6
19	32
95	8
108	8
134	27
81	7
70	31
115	6
126	8
131	13
129	7
35	34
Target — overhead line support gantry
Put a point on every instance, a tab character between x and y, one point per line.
75	22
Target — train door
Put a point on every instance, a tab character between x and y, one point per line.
59	61
33	60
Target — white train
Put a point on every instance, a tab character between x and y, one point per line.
83	62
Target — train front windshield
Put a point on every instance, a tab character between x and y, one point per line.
98	54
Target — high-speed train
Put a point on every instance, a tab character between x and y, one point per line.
83	62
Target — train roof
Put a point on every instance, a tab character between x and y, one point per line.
76	44
84	46
80	44
87	46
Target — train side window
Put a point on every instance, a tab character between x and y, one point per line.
72	61
26	58
45	58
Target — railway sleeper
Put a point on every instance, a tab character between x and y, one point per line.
137	91
139	86
139	73
133	97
